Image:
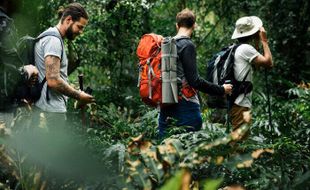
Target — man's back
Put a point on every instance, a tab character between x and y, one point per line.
189	70
186	57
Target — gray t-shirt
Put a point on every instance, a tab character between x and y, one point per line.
244	56
51	45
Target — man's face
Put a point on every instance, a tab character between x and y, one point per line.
75	28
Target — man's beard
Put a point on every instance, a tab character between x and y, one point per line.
69	33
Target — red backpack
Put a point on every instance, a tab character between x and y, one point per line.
149	55
150	83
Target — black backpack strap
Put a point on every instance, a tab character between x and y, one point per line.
246	75
235	46
45	34
50	33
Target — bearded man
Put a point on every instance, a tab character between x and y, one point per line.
52	63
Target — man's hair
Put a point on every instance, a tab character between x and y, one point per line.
246	39
186	18
75	10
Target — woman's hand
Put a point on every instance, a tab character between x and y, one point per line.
263	34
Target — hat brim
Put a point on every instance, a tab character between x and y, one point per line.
257	24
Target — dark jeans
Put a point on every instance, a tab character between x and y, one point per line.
185	113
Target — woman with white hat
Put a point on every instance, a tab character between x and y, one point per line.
249	32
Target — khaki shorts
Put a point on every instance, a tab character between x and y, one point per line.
237	116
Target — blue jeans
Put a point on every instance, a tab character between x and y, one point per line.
185	113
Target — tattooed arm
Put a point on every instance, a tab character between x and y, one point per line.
55	82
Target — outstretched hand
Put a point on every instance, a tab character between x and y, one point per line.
85	99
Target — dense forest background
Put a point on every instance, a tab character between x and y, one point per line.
276	156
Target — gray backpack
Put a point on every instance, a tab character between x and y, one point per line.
169	56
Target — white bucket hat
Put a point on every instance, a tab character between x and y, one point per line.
246	26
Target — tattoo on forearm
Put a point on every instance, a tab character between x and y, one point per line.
67	90
53	73
52	68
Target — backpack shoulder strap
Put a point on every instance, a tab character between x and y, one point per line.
235	46
45	34
246	75
233	51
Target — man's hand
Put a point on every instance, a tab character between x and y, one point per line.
228	88
85	99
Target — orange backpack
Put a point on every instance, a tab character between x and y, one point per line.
149	54
150	81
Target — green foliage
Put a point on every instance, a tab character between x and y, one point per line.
212	184
115	38
148	165
108	61
117	124
174	183
288	137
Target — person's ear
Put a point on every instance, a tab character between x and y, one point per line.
177	26
68	19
